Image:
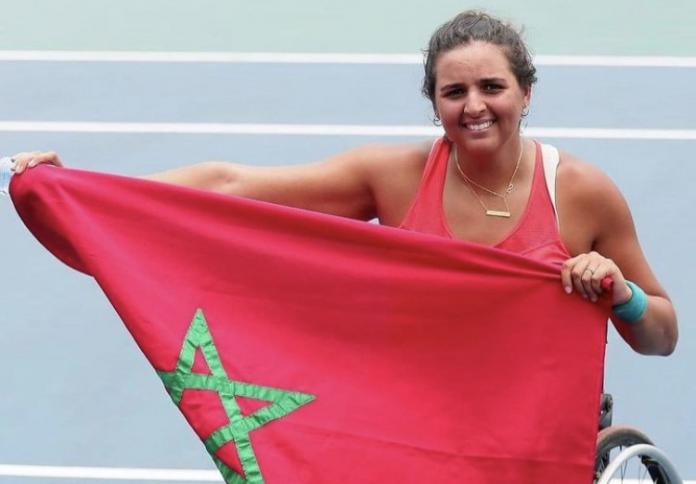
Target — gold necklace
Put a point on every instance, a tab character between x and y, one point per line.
504	195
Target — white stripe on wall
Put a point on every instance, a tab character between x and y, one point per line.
325	130
130	474
321	58
119	473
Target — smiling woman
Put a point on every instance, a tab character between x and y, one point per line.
482	182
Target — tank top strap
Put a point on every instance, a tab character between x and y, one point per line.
425	213
551	158
537	230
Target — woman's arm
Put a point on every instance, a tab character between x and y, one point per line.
592	204
376	180
340	185
358	183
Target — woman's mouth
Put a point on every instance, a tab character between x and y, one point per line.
478	125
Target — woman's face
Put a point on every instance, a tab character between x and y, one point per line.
478	98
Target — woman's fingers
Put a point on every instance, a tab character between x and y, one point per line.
592	277
585	273
48	157
566	279
572	272
30	159
606	268
576	275
21	160
585	279
579	275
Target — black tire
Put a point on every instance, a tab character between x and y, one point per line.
611	440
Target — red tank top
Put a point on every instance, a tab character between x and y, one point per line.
536	233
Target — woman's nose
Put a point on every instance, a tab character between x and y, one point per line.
474	105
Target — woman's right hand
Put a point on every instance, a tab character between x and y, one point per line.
30	159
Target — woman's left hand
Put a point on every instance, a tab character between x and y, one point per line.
585	272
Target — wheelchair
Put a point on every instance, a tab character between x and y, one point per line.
627	455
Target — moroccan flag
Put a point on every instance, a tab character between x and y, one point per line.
306	348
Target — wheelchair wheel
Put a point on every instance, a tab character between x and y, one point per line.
639	469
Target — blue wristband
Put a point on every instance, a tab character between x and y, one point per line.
632	310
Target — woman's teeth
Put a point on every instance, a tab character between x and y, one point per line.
478	126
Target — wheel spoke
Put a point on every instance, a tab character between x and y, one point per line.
634	469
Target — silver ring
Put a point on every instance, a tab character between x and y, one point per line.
591	270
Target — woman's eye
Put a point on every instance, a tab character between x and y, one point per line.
492	87
454	92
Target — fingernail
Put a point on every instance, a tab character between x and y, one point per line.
584	296
568	289
32	163
594	298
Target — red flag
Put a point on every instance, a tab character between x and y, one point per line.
306	348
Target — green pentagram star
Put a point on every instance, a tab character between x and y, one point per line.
239	426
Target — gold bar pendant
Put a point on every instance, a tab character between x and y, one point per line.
497	213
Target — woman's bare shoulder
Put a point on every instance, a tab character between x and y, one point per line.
583	182
395	163
394	172
590	205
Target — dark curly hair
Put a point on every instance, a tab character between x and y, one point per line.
470	26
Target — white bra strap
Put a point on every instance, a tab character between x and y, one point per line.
551	158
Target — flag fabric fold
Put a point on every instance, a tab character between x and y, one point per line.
307	348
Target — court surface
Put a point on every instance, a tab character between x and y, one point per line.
135	87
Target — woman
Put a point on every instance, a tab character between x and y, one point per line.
482	182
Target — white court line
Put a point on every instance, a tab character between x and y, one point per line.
128	474
608	133
117	473
641	481
220	128
325	130
323	58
